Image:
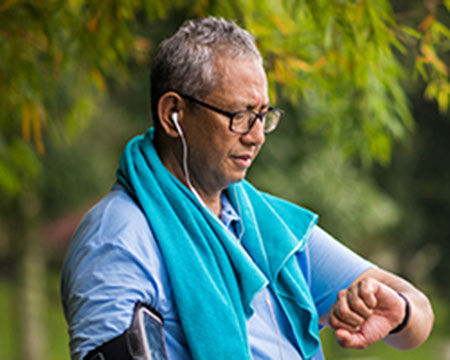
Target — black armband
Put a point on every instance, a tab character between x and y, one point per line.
405	321
143	340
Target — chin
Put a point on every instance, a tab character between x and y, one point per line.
232	176
238	177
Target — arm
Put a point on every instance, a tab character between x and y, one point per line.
112	263
370	308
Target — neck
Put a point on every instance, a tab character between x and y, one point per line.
170	153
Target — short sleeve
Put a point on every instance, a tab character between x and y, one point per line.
112	263
329	267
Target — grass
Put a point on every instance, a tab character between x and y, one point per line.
433	349
57	337
57	327
7	339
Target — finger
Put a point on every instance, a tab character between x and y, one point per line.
357	304
337	323
343	316
344	311
367	289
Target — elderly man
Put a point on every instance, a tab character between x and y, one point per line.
235	273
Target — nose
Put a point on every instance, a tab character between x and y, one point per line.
256	134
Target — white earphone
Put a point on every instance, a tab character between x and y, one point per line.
174	118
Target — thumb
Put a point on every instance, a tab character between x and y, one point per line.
348	339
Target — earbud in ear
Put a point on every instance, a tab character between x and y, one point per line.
174	117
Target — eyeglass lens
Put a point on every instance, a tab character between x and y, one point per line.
243	121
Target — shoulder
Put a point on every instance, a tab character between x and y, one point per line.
113	238
116	221
115	224
116	213
112	262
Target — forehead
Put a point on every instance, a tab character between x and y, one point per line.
240	81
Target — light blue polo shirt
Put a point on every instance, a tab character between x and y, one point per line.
114	261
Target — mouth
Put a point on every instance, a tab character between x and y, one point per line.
243	161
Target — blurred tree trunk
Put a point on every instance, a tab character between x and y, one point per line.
30	279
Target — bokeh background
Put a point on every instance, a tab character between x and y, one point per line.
365	141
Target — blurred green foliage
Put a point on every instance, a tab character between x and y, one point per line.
351	75
337	58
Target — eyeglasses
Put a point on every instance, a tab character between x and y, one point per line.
242	121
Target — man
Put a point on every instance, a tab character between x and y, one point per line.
234	272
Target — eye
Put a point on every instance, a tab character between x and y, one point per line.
242	117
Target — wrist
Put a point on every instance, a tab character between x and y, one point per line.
405	321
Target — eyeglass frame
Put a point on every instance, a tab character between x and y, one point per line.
231	115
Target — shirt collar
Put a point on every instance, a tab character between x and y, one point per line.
229	216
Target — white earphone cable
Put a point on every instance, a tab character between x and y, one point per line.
185	161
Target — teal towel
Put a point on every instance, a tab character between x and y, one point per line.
214	279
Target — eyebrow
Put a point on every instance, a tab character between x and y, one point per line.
266	105
249	106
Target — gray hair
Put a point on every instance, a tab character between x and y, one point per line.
185	61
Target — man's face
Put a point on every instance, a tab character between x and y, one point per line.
217	156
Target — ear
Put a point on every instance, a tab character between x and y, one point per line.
168	104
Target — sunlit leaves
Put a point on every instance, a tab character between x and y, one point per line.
337	59
429	63
33	119
55	55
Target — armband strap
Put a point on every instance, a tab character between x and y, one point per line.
405	321
115	349
143	340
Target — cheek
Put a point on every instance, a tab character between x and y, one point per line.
210	141
207	150
218	150
205	129
218	143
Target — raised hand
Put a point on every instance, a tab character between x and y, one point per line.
366	312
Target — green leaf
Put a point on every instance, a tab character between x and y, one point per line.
9	180
410	31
